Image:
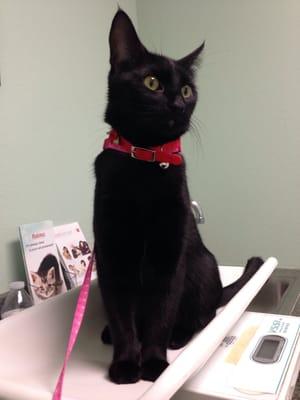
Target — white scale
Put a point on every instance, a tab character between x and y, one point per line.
253	360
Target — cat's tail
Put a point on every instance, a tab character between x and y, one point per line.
252	266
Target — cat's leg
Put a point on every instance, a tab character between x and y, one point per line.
180	337
201	294
183	333
162	285
118	256
119	291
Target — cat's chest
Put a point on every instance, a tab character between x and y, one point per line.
120	176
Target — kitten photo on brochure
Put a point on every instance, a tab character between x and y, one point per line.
159	283
46	281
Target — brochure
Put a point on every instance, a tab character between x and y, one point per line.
74	251
43	270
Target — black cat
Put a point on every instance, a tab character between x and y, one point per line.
158	281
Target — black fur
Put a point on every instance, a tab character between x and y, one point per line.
158	281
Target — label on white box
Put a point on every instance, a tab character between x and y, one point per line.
252	361
264	362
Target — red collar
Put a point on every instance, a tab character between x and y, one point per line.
168	153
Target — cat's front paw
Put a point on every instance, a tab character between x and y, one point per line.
125	371
152	368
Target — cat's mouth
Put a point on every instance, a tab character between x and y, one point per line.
177	126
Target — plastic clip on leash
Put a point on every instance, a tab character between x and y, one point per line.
77	320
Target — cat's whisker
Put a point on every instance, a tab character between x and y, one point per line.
195	128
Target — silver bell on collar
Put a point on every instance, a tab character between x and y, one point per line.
164	165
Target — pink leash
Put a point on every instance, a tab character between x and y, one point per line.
77	320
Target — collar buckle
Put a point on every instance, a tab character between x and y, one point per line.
140	153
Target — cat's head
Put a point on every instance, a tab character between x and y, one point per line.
150	97
46	281
44	284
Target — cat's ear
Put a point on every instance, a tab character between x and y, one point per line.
51	276
191	59
36	280
125	46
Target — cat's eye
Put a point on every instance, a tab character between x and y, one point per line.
186	91
152	83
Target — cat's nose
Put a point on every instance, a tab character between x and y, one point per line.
177	104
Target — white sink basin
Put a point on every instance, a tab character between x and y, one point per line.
33	345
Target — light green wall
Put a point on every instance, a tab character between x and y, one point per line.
53	64
246	170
